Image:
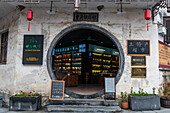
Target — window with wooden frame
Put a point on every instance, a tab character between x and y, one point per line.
166	23
167	37
3	47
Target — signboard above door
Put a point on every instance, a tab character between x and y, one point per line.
88	17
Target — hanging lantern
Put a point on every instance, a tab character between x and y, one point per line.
29	17
76	5
147	17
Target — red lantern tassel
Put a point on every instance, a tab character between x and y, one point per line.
29	26
147	26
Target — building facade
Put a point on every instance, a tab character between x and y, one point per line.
16	77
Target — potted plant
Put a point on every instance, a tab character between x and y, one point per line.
25	101
143	101
165	99
124	98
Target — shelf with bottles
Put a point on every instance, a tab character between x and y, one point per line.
76	72
58	56
107	57
57	64
96	66
76	55
115	63
115	58
76	64
106	67
58	60
66	60
105	71
66	68
76	68
114	70
66	64
115	66
96	61
96	72
66	56
57	68
106	62
97	55
76	59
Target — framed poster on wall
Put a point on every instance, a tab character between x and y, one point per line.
138	60
33	49
138	47
138	72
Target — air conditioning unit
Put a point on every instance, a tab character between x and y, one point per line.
162	30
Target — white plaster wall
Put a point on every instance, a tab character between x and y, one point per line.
7	71
124	27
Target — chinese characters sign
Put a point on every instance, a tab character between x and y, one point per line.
164	55
138	47
70	49
89	17
33	49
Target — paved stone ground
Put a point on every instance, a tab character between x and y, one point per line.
163	110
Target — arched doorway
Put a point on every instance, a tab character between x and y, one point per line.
86	37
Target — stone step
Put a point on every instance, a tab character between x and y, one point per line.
93	102
83	109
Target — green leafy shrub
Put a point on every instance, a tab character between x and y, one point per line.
142	93
25	94
124	96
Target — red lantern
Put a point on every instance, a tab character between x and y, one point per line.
76	5
147	16
29	17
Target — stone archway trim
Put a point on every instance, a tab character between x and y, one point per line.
91	27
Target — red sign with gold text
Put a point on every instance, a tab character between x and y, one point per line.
164	55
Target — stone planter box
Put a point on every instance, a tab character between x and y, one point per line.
165	102
25	103
144	102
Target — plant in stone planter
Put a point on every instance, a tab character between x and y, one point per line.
165	99
124	98
25	101
143	101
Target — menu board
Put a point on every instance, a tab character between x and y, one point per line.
164	55
138	47
138	60
33	49
138	72
57	90
110	86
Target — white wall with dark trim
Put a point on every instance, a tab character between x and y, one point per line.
15	76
